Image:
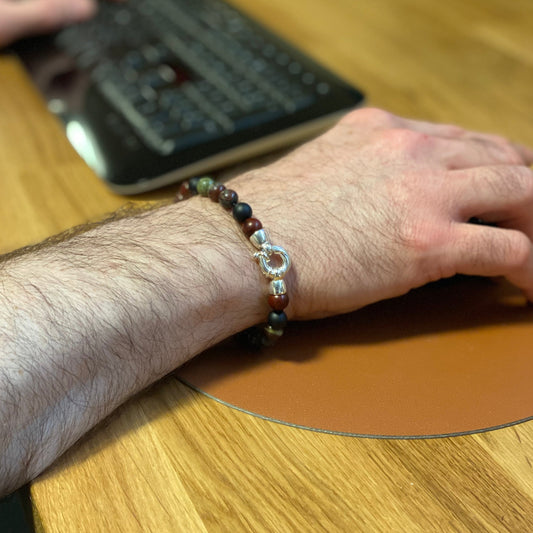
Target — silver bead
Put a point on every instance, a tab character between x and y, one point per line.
277	287
259	238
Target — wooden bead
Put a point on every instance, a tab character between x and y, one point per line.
278	302
250	226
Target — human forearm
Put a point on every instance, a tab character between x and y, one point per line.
375	207
91	321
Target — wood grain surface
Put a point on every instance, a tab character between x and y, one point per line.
172	460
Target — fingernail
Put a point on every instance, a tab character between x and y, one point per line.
80	10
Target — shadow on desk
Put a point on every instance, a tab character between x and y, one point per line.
450	358
16	512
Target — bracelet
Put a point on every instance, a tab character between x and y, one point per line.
274	261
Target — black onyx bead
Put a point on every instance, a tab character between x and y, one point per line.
228	198
252	338
193	182
277	319
241	211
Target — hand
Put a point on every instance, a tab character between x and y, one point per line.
27	17
380	205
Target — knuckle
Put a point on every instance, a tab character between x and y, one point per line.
509	153
420	235
371	115
426	243
408	141
453	131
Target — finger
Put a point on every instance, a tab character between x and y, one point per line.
525	153
492	193
35	16
446	131
466	149
492	143
490	251
457	154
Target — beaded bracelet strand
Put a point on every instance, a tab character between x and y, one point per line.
278	299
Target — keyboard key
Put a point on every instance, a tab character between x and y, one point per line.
203	70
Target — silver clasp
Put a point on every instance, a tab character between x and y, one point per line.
264	257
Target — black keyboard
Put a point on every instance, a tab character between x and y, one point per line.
154	91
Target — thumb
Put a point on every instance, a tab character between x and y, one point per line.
18	19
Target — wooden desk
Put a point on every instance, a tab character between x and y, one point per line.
173	460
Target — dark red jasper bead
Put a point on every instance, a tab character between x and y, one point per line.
278	302
215	190
184	192
250	226
228	198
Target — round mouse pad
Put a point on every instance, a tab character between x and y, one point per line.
451	358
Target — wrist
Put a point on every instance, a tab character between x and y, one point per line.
195	281
229	291
273	260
